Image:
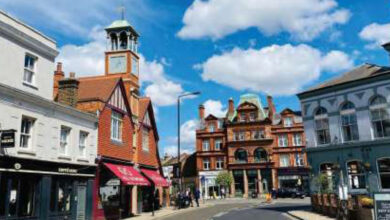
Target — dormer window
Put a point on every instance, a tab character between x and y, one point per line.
242	116
288	122
252	116
211	128
220	123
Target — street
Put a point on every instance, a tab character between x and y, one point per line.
243	209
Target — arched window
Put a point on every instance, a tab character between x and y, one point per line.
384	172
380	117
114	41
327	178
261	155
241	156
356	175
348	120
322	126
123	40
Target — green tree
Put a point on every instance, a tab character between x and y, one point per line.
224	179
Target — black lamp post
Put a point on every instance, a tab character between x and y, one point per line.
178	133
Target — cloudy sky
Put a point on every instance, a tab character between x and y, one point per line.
223	48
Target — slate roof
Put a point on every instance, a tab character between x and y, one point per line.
249	98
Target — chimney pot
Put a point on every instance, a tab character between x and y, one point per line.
271	107
201	112
231	106
59	67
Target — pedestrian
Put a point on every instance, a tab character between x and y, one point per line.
197	196
222	193
190	197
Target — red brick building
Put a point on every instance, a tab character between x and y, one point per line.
260	148
129	168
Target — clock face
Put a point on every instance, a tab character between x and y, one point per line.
117	64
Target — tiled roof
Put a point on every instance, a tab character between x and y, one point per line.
96	89
362	72
143	107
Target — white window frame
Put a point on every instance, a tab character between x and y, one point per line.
145	139
219	124
205	145
206	164
258	134
64	143
241	135
116	126
297	139
299	160
219	163
26	135
218	144
30	69
83	139
288	122
252	116
211	127
282	160
282	142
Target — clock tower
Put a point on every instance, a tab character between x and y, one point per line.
122	60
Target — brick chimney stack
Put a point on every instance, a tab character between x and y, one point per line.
68	90
58	75
201	112
231	106
271	107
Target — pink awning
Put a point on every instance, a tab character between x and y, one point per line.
128	175
157	179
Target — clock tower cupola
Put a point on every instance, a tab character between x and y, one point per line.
121	57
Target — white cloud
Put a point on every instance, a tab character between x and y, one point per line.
376	34
88	60
188	132
214	107
303	19
277	70
172	151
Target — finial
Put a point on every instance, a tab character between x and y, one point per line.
122	9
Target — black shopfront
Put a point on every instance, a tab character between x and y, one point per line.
33	189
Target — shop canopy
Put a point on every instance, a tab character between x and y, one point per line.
128	174
157	179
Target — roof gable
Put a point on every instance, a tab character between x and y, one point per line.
210	117
146	111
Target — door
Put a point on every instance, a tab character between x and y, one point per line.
81	202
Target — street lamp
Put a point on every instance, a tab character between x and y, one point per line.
178	133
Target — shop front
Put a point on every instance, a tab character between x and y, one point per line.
33	189
293	178
115	184
208	187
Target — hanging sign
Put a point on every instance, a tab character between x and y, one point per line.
7	139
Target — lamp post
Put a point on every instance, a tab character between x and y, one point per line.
178	133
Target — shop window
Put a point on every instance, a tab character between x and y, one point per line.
60	196
384	172
322	126
327	170
3	193
241	156
284	160
282	140
205	145
26	132
349	125
218	144
261	155
380	117
356	175
297	140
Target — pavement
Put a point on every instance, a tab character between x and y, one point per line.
239	209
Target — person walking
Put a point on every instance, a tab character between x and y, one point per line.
197	196
223	193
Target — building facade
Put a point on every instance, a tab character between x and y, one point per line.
346	123
48	172
261	149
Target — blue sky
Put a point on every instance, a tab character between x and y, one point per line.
223	48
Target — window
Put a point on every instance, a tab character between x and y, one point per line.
258	134
64	140
297	140
261	155
282	140
134	139
236	136
241	135
284	160
211	127
145	139
220	124
322	126
206	164
252	116
242	116
60	196
205	145
26	132
380	117
29	69
218	144
134	66
241	156
116	126
384	172
299	161
288	122
328	171
82	144
356	175
219	163
349	122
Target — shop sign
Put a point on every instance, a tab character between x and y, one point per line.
7	139
66	170
382	206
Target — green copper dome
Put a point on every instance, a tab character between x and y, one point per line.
119	24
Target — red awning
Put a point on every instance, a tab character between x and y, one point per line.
157	179
128	174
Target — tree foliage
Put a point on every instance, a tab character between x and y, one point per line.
224	179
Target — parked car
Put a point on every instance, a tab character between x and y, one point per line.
290	193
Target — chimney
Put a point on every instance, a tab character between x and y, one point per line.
386	46
231	106
201	112
58	75
271	107
68	89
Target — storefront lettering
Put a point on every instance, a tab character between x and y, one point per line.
7	138
67	170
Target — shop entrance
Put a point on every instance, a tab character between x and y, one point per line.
252	182
238	176
81	201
